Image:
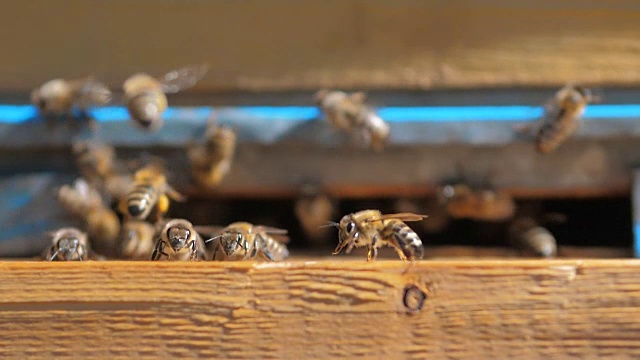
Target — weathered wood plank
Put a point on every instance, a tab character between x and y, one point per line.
479	309
284	44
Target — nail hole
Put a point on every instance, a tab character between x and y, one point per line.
414	298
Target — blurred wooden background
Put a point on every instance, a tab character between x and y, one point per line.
287	44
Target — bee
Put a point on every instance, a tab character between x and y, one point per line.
212	161
138	239
562	117
145	96
102	223
150	191
372	229
177	240
59	97
349	112
68	244
313	209
531	238
463	202
245	241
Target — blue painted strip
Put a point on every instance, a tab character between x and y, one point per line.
612	111
636	240
21	113
460	113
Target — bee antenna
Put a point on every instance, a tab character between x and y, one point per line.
55	254
213	238
330	224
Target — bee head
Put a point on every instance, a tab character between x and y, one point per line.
178	237
68	247
348	234
231	241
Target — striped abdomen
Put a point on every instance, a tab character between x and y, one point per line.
554	133
272	249
401	235
141	200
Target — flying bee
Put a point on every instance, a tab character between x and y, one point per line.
102	223
150	192
145	96
138	239
68	244
563	116
212	161
463	202
245	241
531	238
59	97
177	240
313	209
372	229
350	113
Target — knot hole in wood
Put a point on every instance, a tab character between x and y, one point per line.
414	298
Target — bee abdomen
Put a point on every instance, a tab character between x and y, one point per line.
406	238
147	107
551	135
140	200
274	250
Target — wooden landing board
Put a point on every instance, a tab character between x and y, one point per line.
305	310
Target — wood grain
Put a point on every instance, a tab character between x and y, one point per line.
284	44
301	310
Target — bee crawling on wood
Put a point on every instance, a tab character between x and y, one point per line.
68	244
177	240
372	229
212	161
245	241
85	203
145	96
150	192
59	97
349	112
463	202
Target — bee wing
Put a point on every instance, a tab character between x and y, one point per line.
401	216
279	235
271	230
183	78
282	239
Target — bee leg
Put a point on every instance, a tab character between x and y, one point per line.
157	252
254	251
215	252
394	243
194	251
84	252
265	250
372	254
